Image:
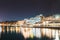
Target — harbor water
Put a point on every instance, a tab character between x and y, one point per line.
20	33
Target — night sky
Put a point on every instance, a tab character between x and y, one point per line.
20	9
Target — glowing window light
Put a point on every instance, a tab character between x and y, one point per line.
57	16
33	20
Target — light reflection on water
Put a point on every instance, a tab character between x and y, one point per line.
16	33
0	32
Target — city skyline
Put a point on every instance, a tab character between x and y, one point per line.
20	9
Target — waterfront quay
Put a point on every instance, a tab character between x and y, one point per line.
43	26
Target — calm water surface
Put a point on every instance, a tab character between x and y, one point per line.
18	36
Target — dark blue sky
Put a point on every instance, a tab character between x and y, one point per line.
20	9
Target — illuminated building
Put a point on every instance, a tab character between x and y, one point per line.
31	27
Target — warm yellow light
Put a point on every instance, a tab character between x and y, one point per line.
31	35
